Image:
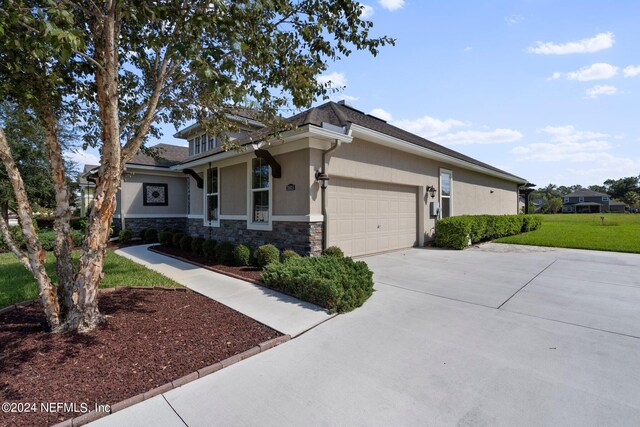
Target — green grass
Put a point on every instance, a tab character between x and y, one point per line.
618	233
16	284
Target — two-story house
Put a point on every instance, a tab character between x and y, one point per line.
588	201
340	178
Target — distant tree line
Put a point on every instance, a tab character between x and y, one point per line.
626	190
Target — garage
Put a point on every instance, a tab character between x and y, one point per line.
366	217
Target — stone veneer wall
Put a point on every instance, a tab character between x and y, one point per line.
137	224
303	237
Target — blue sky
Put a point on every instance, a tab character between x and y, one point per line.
547	90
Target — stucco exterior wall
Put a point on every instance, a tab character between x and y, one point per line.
471	191
132	198
294	171
233	190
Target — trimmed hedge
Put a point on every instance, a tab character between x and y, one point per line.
165	237
185	243
46	237
150	235
288	254
337	284
456	232
242	255
224	252
267	254
209	248
196	245
333	251
175	239
125	235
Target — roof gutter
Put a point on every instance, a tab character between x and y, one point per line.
393	142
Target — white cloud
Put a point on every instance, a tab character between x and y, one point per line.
82	158
468	48
333	80
347	98
381	114
594	44
632	71
514	19
428	127
597	71
367	11
391	5
598	90
466	137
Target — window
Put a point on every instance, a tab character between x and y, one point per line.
212	142
566	200
446	179
191	146
197	145
581	199
212	199
260	188
605	198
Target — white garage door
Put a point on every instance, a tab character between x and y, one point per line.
367	217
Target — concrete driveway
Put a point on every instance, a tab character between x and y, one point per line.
496	335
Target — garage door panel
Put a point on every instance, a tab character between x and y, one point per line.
368	217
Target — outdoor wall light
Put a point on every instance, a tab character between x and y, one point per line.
323	179
431	190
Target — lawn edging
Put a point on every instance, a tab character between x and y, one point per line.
215	270
200	373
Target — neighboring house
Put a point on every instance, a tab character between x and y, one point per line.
342	178
588	201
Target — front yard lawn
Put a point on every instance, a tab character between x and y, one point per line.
618	232
17	284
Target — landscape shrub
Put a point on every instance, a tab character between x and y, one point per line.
209	248
224	252
79	223
333	251
288	254
77	236
196	245
141	233
242	255
267	254
185	243
175	240
337	284
16	236
456	232
125	236
165	237
150	235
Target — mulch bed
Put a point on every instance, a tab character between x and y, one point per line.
151	337
249	272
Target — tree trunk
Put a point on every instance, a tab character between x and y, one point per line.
85	315
63	243
35	254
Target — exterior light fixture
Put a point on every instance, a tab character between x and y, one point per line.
322	178
431	190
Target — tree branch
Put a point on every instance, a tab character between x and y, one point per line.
6	237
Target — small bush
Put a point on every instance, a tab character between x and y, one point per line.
338	284
47	239
196	245
175	240
150	235
456	232
288	254
224	252
141	233
79	223
125	236
242	255
165	238
185	243
78	237
267	254
333	251
209	248
16	236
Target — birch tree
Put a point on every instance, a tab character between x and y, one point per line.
118	69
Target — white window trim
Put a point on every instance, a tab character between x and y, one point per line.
265	226
450	196
605	198
566	200
580	199
206	193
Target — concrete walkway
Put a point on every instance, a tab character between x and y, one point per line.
281	312
483	337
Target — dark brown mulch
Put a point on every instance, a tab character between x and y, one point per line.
249	272
151	337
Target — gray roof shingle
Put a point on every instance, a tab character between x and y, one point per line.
166	155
